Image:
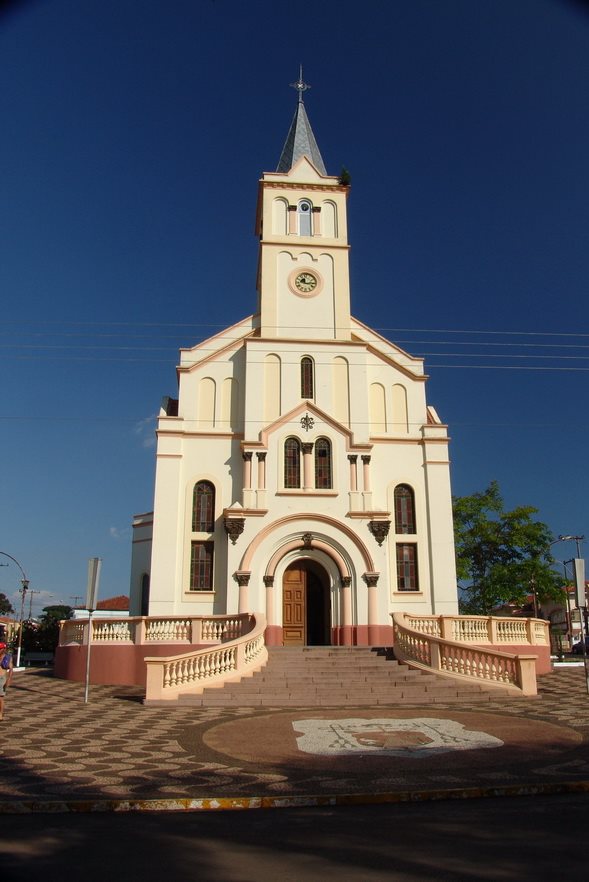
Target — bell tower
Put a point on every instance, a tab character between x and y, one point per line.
303	268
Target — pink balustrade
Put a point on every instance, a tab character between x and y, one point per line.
452	646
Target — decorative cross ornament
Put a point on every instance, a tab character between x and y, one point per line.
307	422
300	85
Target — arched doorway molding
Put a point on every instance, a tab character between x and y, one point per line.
310	545
340	571
306	526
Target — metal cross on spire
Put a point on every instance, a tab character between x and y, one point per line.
300	85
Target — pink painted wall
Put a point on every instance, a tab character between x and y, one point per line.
542	653
111	665
116	665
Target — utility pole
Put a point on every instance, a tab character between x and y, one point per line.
31	592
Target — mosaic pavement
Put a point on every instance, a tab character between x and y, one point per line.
55	747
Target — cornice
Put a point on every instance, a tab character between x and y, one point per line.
304	243
292	185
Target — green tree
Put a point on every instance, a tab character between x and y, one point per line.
501	556
345	178
47	636
6	608
31	641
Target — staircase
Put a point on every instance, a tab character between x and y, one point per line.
336	676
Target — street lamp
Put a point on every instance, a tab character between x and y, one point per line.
23	592
577	539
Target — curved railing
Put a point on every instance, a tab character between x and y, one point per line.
484	629
192	672
418	643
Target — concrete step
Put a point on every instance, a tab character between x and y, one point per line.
336	676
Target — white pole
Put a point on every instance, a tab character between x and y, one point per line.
94	565
88	656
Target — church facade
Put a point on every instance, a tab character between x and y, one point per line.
300	472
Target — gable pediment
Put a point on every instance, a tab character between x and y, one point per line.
307	419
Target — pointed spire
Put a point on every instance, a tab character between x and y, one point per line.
300	140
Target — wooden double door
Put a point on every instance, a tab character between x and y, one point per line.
306	608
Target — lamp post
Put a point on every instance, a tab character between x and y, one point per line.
582	613
23	592
582	606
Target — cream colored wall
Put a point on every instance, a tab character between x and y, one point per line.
199	457
240	390
216	456
284	313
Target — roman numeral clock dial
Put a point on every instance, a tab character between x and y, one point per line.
305	282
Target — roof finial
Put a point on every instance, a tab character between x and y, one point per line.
300	85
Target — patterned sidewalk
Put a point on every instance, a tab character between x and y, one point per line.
55	748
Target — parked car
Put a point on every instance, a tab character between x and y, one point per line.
578	647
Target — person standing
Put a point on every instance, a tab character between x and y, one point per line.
6	667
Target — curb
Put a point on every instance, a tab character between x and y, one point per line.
205	804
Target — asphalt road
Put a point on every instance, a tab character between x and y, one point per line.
503	840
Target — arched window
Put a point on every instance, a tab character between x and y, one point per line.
292	463
404	509
322	464
307	377
203	507
304	215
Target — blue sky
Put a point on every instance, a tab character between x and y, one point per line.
130	131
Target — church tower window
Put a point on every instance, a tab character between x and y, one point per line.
203	508
404	509
292	463
322	464
307	378
304	217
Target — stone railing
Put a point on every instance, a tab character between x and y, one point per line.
192	672
427	642
483	629
141	630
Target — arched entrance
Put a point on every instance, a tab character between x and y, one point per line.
306	605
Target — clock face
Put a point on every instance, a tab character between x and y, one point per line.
305	282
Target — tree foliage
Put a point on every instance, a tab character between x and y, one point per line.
345	178
55	613
6	608
501	556
45	635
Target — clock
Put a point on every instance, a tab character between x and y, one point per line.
305	282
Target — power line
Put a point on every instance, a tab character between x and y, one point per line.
219	326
